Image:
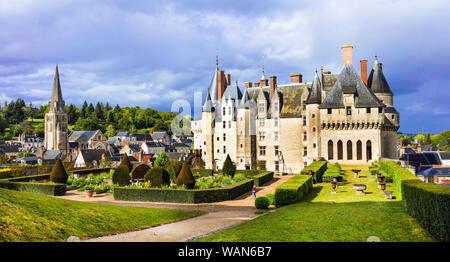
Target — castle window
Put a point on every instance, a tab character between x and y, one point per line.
218	138
304	120
368	110
229	110
349	110
224	149
261	122
224	124
223	111
276	150
329	110
313	116
229	124
261	107
242	145
224	137
262	150
314	129
304	105
305	151
314	145
275	136
218	150
276	121
380	110
241	160
275	106
204	143
304	136
393	117
262	136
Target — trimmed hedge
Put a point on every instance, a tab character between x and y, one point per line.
185	177
202	172
332	170
250	173
139	171
5	173
21	184
318	167
427	202
87	171
262	178
59	174
126	162
293	190
183	195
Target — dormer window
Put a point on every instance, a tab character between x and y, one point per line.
349	110
368	110
329	111
380	110
261	107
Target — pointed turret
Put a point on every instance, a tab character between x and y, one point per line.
208	105
315	95
377	82
56	101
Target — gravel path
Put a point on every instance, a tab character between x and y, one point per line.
219	216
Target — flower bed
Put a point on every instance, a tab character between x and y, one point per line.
96	183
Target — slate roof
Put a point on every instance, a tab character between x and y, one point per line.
159	135
51	154
315	93
10	148
127	134
208	105
142	137
56	94
90	155
390	110
81	136
444	155
32	138
154	144
377	82
134	147
349	82
433	171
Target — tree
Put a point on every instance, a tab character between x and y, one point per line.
419	138
427	139
84	110
25	154
161	159
404	139
228	167
121	176
110	131
72	114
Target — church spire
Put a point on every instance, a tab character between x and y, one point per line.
56	94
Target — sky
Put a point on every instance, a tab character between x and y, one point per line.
152	53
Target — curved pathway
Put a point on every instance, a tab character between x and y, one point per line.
219	216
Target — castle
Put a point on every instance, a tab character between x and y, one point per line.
341	117
56	128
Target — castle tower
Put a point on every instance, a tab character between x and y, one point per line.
56	131
313	120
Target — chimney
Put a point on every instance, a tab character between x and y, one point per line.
264	82
141	156
296	78
103	156
256	84
70	157
273	84
228	79
248	84
364	70
347	55
381	66
221	82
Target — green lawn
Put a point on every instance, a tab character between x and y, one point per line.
351	218
32	217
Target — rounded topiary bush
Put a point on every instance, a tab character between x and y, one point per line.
271	198
228	168
262	202
59	174
121	176
185	177
126	162
139	171
157	176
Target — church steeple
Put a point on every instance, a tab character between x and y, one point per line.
56	101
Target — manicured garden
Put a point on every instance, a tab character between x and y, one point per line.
326	217
31	217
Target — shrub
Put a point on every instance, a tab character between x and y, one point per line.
262	178
5	173
121	176
202	172
174	169
59	174
332	170
157	176
271	197
126	162
228	167
318	168
293	190
262	202
139	171
185	177
427	202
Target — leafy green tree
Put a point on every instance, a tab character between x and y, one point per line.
161	159
427	139
420	138
110	131
84	110
72	114
25	154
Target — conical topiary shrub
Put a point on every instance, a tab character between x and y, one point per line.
185	177
157	176
228	168
121	176
59	174
126	162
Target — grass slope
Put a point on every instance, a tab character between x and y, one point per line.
352	218
32	217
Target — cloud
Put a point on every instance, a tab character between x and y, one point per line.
151	53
